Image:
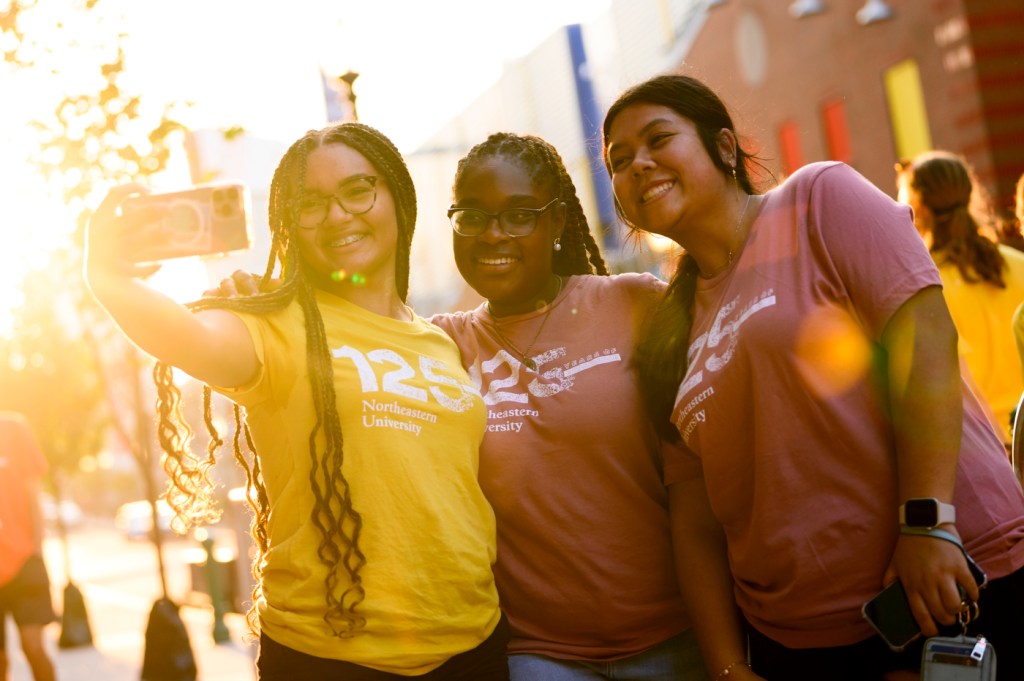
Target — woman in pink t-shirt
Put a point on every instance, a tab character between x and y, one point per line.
570	462
804	354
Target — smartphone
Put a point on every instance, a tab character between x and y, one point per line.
890	615
957	659
205	220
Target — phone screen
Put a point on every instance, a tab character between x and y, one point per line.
889	613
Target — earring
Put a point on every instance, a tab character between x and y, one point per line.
734	173
558	245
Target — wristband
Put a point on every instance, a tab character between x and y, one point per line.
933	532
979	575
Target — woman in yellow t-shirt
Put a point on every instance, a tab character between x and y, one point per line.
982	281
375	542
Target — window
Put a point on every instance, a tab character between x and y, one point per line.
837	135
907	109
789	142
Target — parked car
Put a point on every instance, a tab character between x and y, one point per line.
68	511
135	519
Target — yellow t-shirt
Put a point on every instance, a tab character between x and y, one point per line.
983	315
412	424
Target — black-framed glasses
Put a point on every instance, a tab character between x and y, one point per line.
356	196
515	222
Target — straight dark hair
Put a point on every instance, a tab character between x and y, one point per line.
661	357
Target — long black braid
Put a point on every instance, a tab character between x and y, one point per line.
580	253
338	523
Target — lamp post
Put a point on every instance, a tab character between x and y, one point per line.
215	586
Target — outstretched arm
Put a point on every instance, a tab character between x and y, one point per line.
702	566
927	411
213	346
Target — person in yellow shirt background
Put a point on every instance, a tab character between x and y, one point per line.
982	281
1018	317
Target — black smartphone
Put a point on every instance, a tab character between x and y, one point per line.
889	611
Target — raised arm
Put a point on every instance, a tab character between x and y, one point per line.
927	412
213	346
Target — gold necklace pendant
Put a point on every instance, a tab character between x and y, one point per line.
524	356
733	246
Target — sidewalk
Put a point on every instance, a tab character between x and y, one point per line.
119	583
119	658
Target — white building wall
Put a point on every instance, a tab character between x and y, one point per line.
536	94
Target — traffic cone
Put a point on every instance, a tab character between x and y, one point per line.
74	621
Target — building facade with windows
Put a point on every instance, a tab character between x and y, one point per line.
934	74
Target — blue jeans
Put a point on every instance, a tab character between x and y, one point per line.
677	659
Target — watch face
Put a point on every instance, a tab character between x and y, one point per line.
921	513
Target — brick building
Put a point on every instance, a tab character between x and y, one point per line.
944	74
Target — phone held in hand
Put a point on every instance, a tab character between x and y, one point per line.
890	615
205	220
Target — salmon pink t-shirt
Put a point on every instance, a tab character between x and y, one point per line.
573	469
783	404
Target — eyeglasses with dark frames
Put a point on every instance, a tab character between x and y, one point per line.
356	196
514	222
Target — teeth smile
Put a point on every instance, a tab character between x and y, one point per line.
654	192
496	261
351	239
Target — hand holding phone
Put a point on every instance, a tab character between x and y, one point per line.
890	615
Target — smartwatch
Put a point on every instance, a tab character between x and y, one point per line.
928	512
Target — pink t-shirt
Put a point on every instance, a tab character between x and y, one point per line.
21	465
571	465
783	405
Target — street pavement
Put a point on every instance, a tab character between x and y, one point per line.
119	581
119	658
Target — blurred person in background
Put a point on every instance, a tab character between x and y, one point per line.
982	281
24	583
1018	315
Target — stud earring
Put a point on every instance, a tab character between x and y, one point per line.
558	245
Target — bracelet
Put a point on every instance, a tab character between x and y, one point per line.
932	532
728	670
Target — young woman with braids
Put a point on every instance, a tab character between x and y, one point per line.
804	355
570	462
982	281
375	540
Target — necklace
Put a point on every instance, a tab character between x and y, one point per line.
524	355
732	249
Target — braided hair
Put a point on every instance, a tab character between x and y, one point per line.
946	186
338	523
661	356
580	253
